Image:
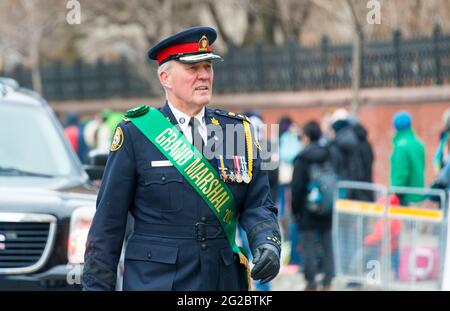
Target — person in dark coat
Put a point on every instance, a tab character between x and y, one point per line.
312	226
367	158
365	151
184	218
347	159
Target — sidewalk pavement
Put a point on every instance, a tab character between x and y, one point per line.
289	279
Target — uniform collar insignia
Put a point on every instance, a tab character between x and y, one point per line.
214	121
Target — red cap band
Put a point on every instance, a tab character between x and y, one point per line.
179	48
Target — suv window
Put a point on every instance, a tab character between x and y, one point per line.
30	143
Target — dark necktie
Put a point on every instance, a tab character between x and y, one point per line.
197	139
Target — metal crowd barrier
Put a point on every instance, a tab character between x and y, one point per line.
390	247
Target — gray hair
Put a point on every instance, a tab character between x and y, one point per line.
166	67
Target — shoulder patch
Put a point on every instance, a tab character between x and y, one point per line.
231	115
117	140
137	111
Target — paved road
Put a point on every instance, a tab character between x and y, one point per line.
290	279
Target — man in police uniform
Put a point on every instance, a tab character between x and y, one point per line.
185	205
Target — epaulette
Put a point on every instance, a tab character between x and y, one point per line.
232	115
137	111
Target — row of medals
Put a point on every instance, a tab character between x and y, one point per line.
236	176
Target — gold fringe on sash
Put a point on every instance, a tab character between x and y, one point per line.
244	261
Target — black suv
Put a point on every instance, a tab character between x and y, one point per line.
46	198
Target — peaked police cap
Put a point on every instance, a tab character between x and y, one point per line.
191	45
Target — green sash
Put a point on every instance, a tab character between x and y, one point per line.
196	170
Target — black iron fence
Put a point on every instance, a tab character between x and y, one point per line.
399	62
79	81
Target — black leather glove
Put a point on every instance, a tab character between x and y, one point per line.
266	259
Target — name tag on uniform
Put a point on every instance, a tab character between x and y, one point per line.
162	163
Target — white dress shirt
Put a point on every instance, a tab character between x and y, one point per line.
183	122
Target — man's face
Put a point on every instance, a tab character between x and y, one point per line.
191	84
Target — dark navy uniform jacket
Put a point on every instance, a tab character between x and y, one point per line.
177	242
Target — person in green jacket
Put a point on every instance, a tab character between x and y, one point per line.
407	158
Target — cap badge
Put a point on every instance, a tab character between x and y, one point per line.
203	44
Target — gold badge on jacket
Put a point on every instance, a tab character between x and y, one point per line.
117	140
215	121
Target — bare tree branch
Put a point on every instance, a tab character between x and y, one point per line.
356	58
220	24
329	8
26	25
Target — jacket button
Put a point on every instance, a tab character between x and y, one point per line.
149	255
163	178
204	246
203	219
